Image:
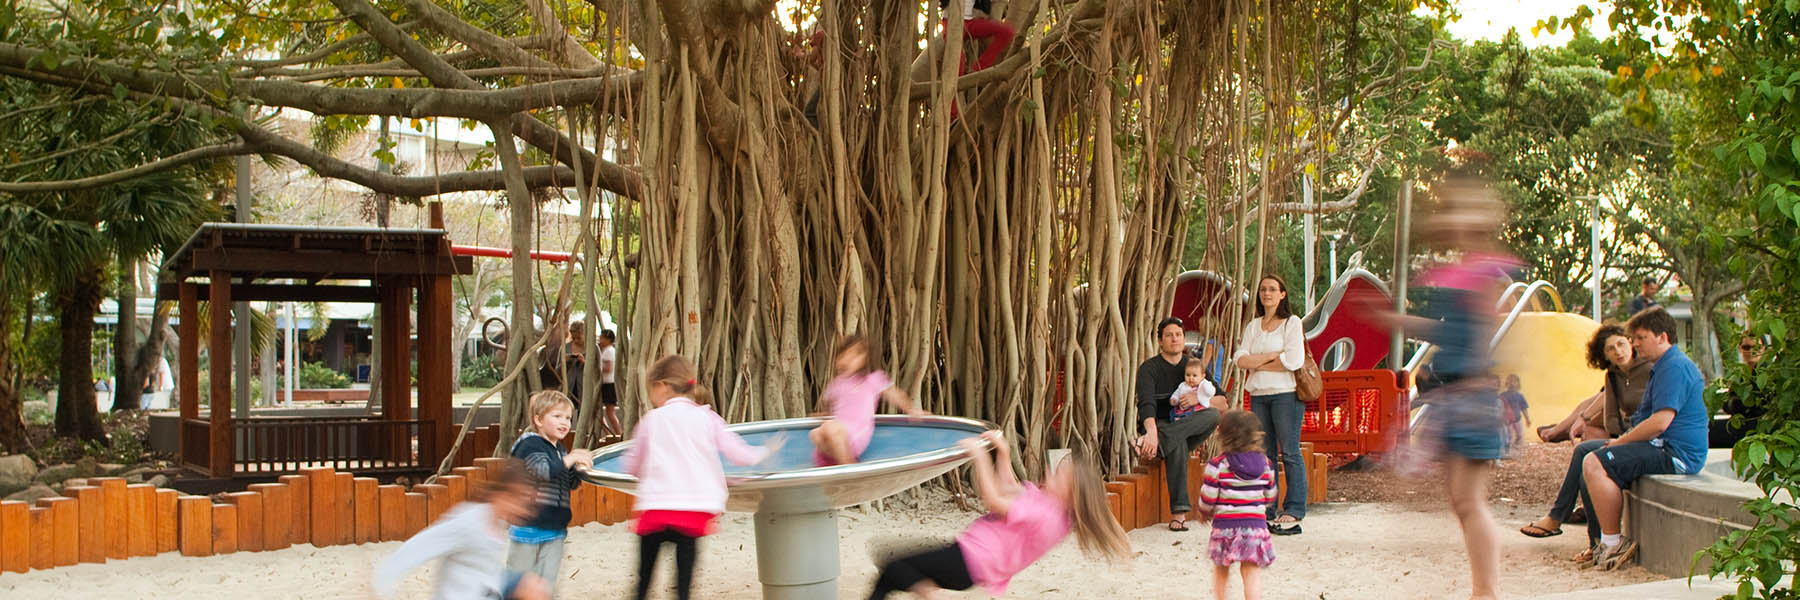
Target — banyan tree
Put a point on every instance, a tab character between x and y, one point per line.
776	174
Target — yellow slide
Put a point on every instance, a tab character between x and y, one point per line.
1548	351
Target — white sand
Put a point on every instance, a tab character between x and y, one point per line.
1349	551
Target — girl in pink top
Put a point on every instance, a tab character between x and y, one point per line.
853	396
1023	522
675	455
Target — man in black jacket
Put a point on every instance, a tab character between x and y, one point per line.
1157	378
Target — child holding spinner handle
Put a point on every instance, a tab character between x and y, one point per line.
1236	493
537	544
681	484
1024	521
853	396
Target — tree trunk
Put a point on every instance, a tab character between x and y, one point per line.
128	383
12	413
77	414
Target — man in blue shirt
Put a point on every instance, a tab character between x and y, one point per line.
1668	435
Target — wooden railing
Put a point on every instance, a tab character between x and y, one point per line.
194	447
363	444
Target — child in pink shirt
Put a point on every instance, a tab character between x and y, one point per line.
853	395
675	455
1023	522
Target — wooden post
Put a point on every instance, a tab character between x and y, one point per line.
140	520
65	539
196	522
112	495
278	508
224	529
492	464
168	523
435	366
92	513
43	532
299	509
367	508
219	383
15	536
251	535
474	477
187	359
1127	503
396	373
581	505
392	499
459	488
346	493
437	500
325	506
417	514
1143	506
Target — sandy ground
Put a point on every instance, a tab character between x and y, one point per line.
1350	551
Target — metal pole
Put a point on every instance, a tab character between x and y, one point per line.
1598	267
1334	269
293	352
240	311
1310	233
1402	264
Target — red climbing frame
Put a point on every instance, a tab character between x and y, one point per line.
1360	412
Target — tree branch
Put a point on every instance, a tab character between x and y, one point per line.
164	164
1346	203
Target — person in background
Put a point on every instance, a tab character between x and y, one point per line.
1273	344
1645	298
1737	418
470	538
1668	435
609	394
1162	436
1516	408
574	363
1596	422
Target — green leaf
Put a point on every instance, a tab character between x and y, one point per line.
1794	145
1778	329
1755	454
1758	154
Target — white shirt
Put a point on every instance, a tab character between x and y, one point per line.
1287	340
471	542
609	363
675	454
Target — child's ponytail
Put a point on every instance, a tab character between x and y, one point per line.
1096	531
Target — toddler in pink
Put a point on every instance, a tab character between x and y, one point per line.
1024	522
853	396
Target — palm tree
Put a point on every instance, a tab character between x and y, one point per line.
63	244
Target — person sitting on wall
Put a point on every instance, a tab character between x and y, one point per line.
1162	435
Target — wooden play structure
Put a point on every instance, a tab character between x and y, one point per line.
227	262
105	519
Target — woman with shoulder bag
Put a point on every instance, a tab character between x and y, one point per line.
1271	349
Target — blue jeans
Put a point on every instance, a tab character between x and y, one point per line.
1572	483
1281	415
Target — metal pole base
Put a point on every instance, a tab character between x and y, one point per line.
797	546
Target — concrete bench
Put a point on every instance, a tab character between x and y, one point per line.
1674	517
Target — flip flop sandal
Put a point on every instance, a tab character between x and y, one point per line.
1178	525
1533	530
1286	519
1289	530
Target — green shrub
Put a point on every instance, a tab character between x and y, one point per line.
480	374
315	376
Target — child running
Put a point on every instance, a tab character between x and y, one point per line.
675	455
1195	393
1236	494
1023	523
471	540
537	543
1461	425
853	397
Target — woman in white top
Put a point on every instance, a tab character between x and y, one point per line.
1271	348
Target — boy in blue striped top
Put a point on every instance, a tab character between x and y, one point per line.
1235	496
537	543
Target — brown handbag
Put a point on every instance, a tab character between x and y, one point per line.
1309	383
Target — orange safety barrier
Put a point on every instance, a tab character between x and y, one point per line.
1359	412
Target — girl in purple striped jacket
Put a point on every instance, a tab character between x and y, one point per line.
1235	496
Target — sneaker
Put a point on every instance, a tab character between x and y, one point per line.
1586	558
1608	559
